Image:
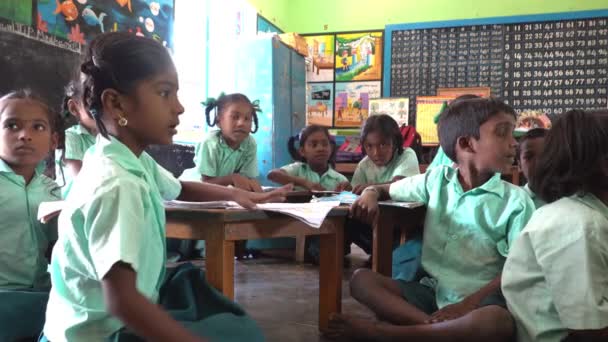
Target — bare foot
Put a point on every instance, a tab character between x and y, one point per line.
341	326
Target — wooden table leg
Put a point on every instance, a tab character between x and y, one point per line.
330	272
219	264
382	250
300	247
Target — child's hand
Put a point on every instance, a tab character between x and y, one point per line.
344	186
249	199
244	183
365	208
359	188
452	311
314	186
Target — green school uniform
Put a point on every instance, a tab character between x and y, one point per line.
405	165
467	235
441	159
329	180
24	280
24	239
538	202
115	213
555	277
77	141
214	158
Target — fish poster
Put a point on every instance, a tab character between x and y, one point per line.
81	20
352	102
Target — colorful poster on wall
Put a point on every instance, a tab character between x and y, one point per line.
397	108
426	109
352	102
359	56
81	20
319	104
16	10
321	52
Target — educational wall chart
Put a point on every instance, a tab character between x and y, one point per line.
397	108
321	53
352	102
548	66
319	104
359	56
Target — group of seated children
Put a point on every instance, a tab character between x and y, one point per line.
495	265
493	268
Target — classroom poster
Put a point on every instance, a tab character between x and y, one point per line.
81	20
427	107
319	104
321	53
17	10
397	108
359	56
352	102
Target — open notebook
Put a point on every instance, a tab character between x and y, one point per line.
312	214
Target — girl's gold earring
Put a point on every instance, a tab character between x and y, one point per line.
123	121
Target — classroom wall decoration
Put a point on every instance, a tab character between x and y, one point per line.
359	56
321	53
352	102
349	66
397	108
81	20
548	63
16	10
320	104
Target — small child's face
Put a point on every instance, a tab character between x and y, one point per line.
235	122
495	149
26	136
530	149
379	148
153	114
316	149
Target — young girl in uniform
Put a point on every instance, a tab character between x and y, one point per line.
108	267
27	136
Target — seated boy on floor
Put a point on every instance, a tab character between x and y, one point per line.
471	220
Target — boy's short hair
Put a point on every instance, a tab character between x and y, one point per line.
463	118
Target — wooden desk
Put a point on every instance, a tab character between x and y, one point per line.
220	228
409	220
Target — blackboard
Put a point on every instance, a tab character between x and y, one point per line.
175	158
548	65
32	59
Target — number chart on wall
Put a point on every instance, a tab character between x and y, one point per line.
548	63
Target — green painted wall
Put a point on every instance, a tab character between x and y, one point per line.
310	16
276	11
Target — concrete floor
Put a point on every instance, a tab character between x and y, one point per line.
282	296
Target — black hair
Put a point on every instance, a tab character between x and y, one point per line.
387	127
301	140
55	124
223	101
534	133
464	118
575	156
118	60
